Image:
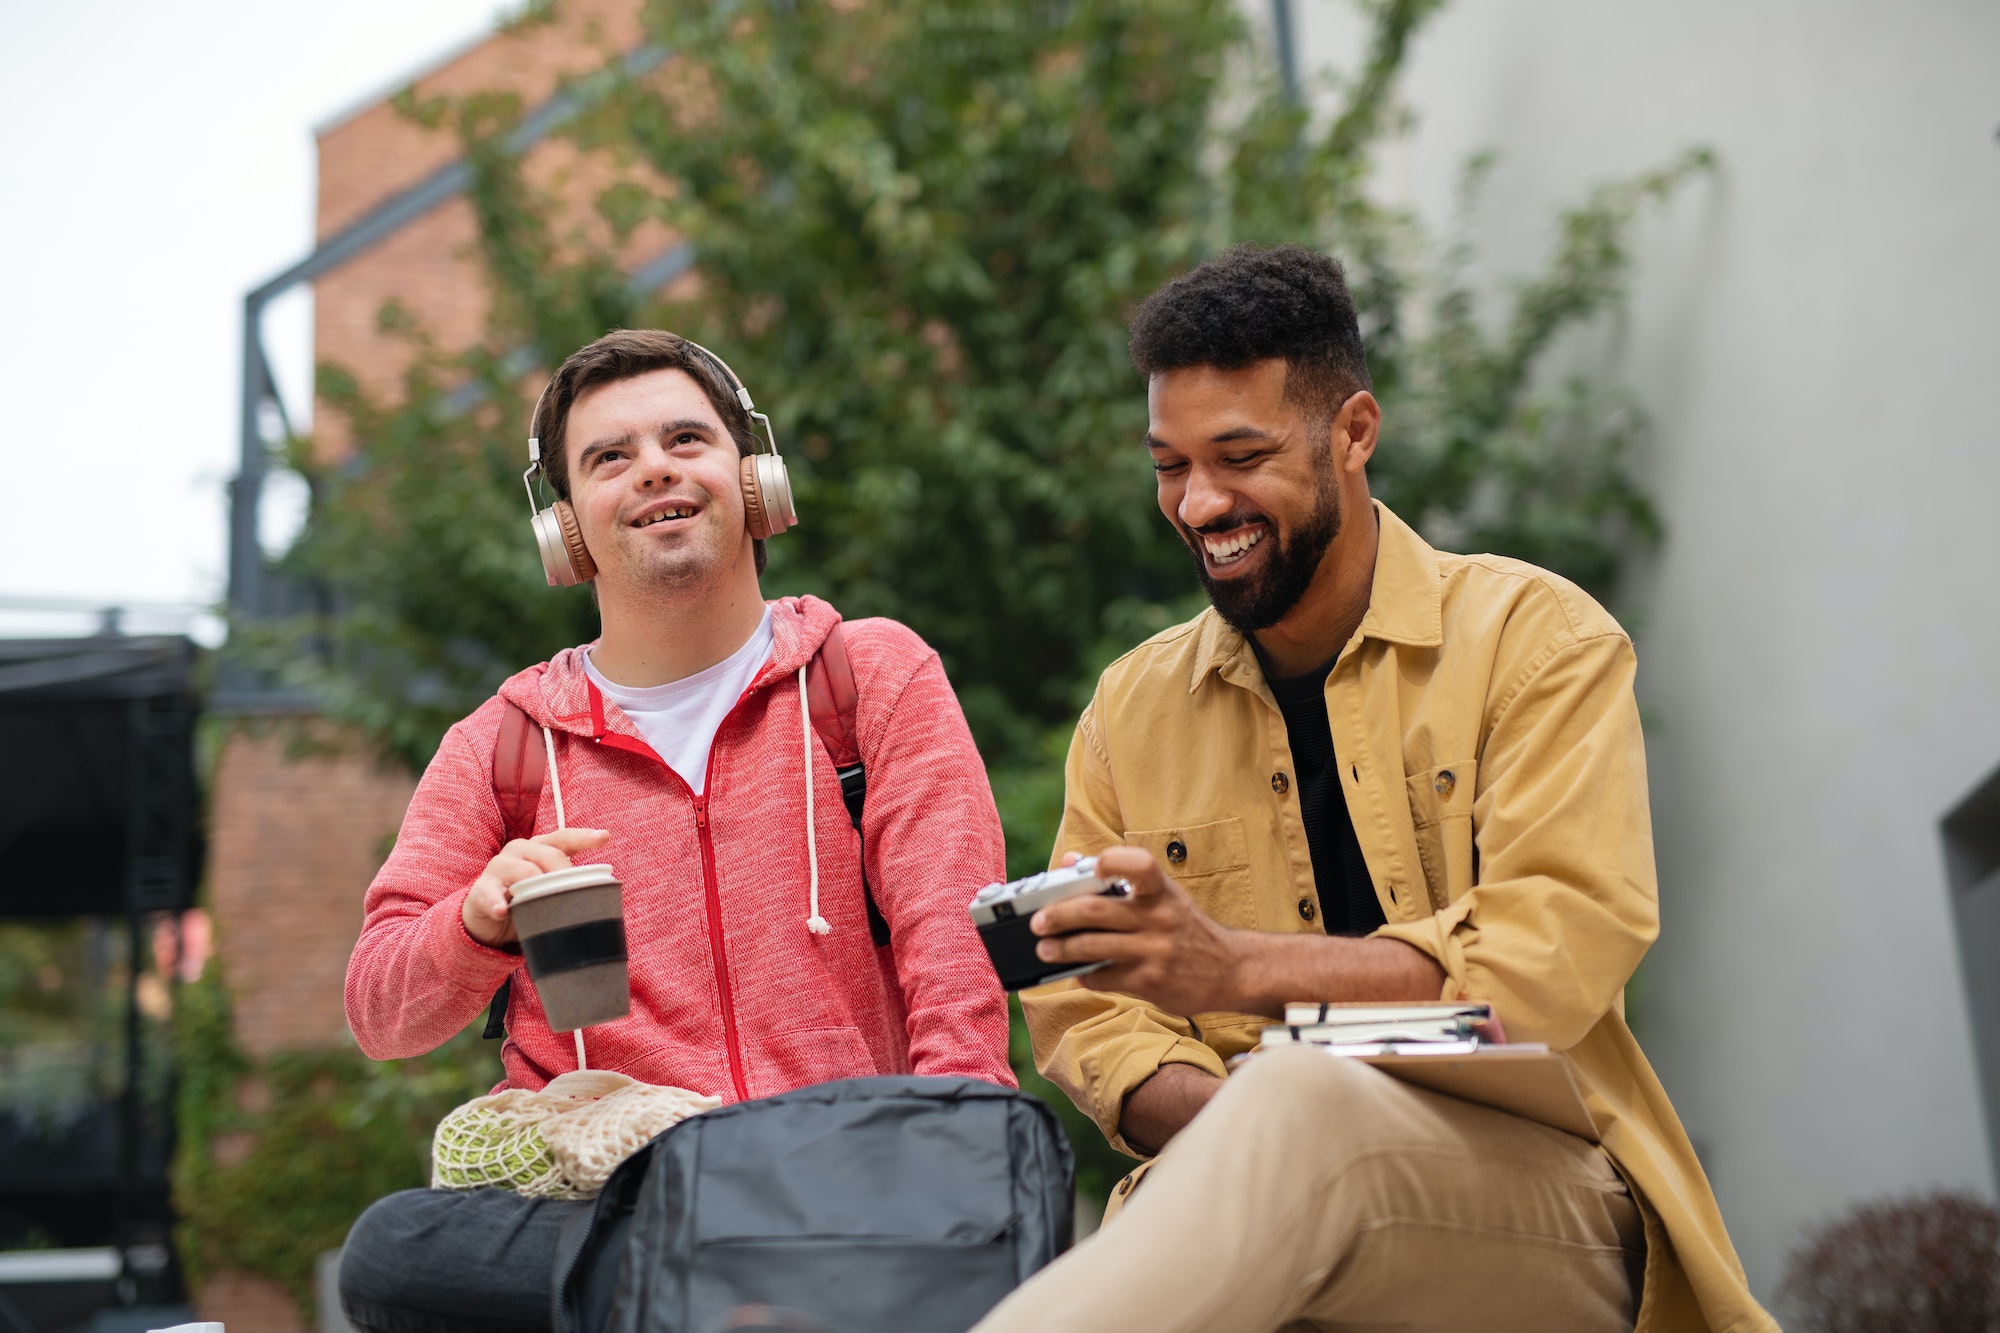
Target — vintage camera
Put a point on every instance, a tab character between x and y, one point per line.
1001	913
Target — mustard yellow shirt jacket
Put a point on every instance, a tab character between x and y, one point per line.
1490	752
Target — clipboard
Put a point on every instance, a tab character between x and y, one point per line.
1532	1082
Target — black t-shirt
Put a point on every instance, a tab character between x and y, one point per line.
1347	902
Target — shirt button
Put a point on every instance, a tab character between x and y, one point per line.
1177	851
1445	782
1306	909
1280	783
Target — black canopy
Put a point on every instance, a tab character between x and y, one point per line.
98	805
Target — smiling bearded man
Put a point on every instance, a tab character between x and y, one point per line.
1374	772
1251	594
770	947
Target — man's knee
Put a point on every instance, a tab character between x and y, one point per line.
375	1267
441	1259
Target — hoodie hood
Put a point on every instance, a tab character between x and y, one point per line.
557	694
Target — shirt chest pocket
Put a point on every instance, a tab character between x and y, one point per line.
1441	811
1211	861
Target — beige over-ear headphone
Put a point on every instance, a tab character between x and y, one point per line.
767	492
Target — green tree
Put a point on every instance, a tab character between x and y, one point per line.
919	231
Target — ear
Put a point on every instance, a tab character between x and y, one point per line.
1356	428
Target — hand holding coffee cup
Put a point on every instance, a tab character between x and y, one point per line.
572	928
487	913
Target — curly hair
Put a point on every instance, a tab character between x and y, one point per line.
1254	303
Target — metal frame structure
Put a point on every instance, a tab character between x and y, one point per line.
1285	38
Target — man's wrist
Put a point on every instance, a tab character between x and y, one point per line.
1162	1105
1271	971
472	937
1251	975
465	921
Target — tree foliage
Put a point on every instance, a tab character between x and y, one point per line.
62	992
919	232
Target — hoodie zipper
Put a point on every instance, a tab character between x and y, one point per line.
711	882
713	893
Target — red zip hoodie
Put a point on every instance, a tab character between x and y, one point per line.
732	993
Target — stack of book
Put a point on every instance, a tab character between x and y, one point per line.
1446	1047
1433	1028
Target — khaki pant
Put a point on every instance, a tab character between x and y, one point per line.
1314	1192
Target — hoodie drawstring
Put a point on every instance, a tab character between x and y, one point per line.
555	788
816	923
555	779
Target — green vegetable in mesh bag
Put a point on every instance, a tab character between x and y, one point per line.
480	1144
561	1142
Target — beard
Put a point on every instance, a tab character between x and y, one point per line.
1261	600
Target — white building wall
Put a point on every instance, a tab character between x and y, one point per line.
1814	332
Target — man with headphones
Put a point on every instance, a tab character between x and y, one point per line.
775	939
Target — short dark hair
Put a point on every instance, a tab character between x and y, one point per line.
1254	303
624	354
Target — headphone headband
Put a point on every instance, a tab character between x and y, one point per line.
742	398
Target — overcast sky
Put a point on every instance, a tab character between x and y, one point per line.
158	162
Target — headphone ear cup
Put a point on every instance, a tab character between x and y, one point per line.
549	545
572	538
566	560
755	516
767	496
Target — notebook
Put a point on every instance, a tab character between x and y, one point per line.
1434	1046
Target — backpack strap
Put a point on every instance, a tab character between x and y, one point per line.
833	699
520	767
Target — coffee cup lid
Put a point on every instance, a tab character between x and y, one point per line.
560	881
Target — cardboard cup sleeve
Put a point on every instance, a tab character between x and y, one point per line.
572	929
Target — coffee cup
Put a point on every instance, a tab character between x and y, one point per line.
572	929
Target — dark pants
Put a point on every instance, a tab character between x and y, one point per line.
446	1261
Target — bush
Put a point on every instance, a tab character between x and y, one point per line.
1929	1263
277	1157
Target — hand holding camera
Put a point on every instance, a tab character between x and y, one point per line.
1003	914
1150	940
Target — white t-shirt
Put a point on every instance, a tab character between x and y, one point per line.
679	719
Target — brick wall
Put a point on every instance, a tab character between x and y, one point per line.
429	267
246	1303
293	843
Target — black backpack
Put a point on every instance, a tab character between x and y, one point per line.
874	1205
